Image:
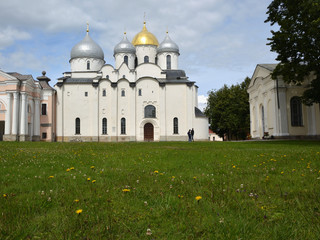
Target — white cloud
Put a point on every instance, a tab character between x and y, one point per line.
9	35
202	102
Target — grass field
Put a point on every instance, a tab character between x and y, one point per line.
166	190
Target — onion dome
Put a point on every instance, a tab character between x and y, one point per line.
145	38
87	48
124	46
167	45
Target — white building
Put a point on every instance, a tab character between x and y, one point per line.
276	110
145	97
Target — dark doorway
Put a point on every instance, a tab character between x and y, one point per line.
148	132
1	130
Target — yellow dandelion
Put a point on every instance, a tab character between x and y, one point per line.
156	171
88	179
198	198
180	196
78	211
93	181
51	177
293	170
76	200
173	177
195	178
234	166
68	169
282	172
5	195
126	190
72	168
92	167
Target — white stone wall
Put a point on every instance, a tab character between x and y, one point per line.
162	60
146	50
119	59
80	64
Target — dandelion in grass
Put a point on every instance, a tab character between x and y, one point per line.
194	178
5	195
79	211
51	177
125	190
180	196
156	171
68	170
76	200
72	168
92	167
282	172
198	198
93	181
88	179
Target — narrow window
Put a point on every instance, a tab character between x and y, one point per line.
146	59
43	109
175	126
88	65
104	93
296	112
149	111
136	62
125	60
77	125
123	126
156	61
140	92
123	93
168	61
104	126
86	94
44	135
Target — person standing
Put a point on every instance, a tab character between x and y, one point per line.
192	133
189	135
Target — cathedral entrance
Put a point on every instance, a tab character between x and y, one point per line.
1	130
148	132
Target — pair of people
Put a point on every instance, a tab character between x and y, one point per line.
190	135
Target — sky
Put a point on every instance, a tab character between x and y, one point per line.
220	41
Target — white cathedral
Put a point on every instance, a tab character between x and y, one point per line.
145	97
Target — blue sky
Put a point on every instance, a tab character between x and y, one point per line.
220	41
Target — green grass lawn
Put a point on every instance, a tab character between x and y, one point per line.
248	190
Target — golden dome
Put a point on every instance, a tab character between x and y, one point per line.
145	38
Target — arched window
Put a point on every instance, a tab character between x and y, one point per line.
149	111
125	59
168	61
123	93
88	65
104	93
123	126
296	112
175	126
104	126
146	59
77	125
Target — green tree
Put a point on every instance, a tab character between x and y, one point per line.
228	110
297	43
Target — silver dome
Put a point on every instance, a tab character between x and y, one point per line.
168	45
124	46
87	48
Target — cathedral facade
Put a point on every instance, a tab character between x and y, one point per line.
276	110
144	97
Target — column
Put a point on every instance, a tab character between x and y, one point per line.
7	130
15	113
311	116
23	114
36	126
284	130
